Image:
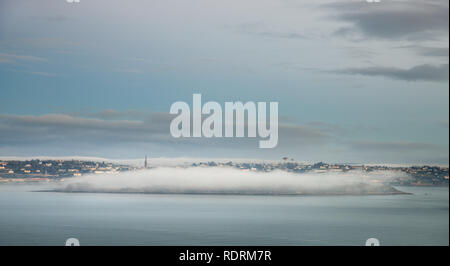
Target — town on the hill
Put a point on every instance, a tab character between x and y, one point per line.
57	170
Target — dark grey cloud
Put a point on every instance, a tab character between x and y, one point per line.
152	128
343	130
262	30
41	73
114	114
287	35
401	151
56	18
417	73
69	135
418	19
433	51
427	50
359	52
53	128
15	58
394	146
444	124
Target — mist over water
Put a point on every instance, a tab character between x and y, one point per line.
225	180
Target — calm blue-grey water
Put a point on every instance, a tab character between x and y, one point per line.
47	218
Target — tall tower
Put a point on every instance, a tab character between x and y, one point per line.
145	162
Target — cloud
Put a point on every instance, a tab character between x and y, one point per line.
418	19
15	58
287	35
131	134
232	181
53	18
426	50
261	30
112	130
114	114
394	146
130	70
433	51
417	73
40	73
390	151
50	127
343	130
444	124
43	43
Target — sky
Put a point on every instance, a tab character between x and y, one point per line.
356	81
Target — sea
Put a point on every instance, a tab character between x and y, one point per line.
29	217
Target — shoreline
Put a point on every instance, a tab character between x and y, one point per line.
397	192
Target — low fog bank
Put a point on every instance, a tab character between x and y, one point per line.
215	180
